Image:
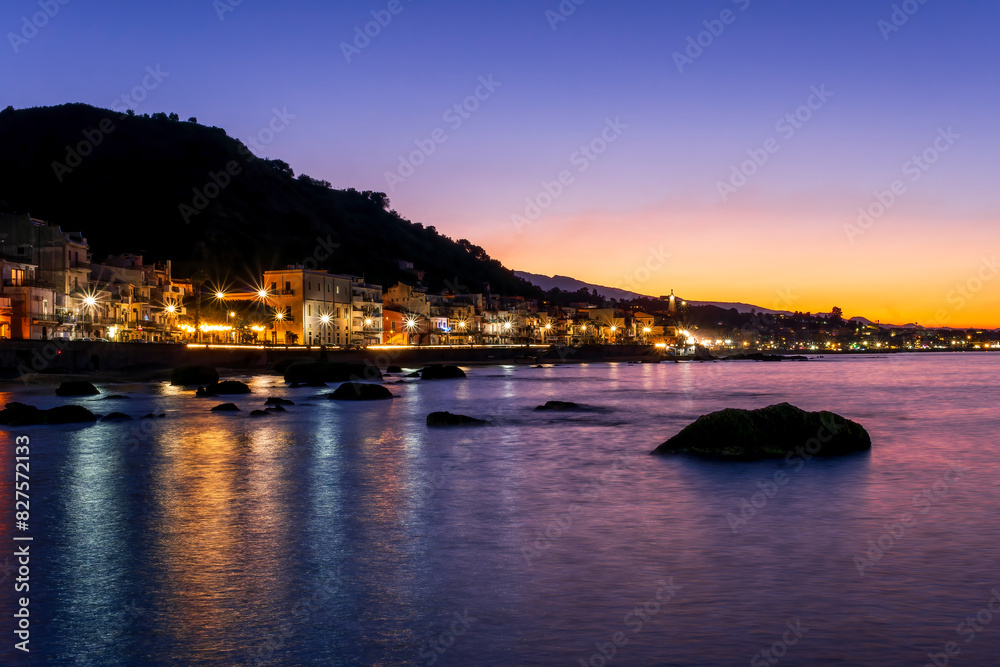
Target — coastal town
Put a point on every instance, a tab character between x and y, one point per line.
55	288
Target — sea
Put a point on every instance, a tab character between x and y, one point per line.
350	533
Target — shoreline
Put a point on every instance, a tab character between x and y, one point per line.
150	365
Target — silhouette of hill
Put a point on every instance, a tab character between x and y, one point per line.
173	189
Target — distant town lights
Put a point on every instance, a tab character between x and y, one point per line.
90	301
220	295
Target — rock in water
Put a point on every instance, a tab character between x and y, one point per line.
260	413
191	375
226	407
448	419
441	373
77	388
19	414
769	432
559	405
116	417
277	400
360	391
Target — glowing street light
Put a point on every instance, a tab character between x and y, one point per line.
220	295
262	293
325	319
90	301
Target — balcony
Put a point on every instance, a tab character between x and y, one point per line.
287	292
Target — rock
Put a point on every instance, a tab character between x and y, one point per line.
226	407
19	414
769	432
116	417
77	388
116	397
192	375
448	419
394	369
276	400
559	405
414	374
359	391
276	408
161	415
313	373
221	388
260	413
760	356
441	372
148	416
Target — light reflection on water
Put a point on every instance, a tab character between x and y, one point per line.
352	534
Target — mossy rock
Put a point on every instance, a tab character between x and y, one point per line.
441	372
360	391
771	432
448	419
77	388
20	414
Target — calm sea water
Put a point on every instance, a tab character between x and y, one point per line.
351	534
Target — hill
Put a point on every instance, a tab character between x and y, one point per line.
178	190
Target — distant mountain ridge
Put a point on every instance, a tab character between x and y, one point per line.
568	284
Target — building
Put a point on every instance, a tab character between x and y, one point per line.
310	307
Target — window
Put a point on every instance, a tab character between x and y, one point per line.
17	277
309	310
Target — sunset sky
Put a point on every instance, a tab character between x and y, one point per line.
884	85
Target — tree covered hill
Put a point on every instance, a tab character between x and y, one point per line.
173	189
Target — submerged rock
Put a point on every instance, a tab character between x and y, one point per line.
394	369
19	414
276	400
448	419
229	387
559	405
769	432
77	388
360	391
116	397
441	372
226	407
276	408
260	413
192	375
116	417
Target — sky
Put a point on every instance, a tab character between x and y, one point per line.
794	155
